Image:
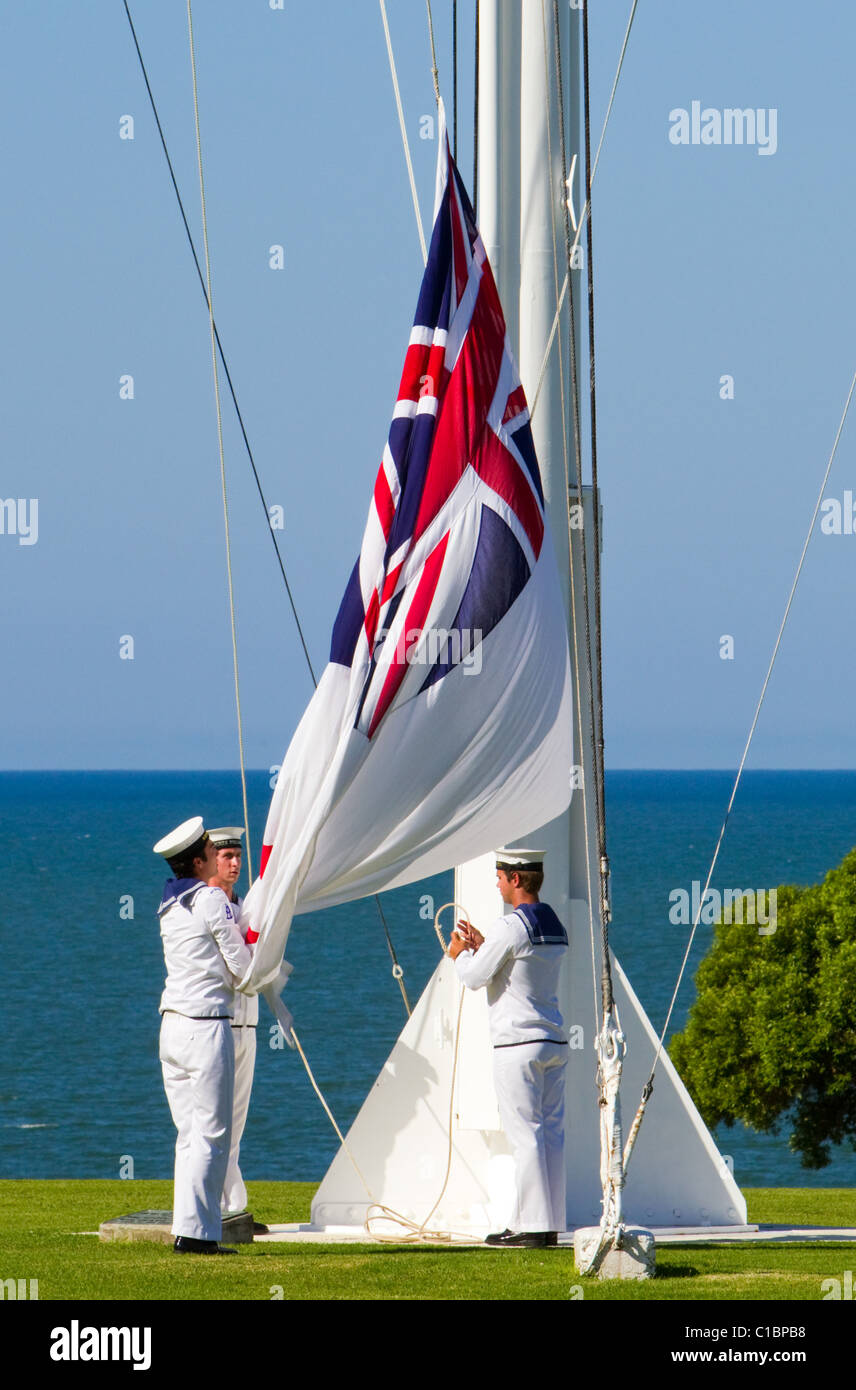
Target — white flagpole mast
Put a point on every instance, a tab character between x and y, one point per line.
499	152
542	260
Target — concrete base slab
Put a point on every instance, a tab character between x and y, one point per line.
157	1226
663	1235
710	1235
347	1235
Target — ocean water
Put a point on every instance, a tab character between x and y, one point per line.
80	1089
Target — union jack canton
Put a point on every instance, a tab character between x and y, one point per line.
459	458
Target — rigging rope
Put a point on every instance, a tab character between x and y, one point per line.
476	115
220	441
225	364
397	971
647	1089
403	128
455	80
583	215
434	72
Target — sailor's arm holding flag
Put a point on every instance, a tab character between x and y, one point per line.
225	929
272	995
272	992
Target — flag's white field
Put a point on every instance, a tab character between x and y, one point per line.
442	725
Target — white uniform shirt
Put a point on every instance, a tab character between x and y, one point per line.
246	1005
522	983
205	955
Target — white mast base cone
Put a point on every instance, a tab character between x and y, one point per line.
635	1260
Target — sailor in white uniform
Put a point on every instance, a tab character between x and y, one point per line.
205	956
227	842
518	962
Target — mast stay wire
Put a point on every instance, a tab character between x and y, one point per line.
404	140
476	113
584	213
455	79
219	413
225	364
397	971
646	1092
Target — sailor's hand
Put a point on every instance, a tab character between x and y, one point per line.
457	944
472	938
281	1014
279	984
285	1019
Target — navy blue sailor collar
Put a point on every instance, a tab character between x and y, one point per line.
179	890
542	924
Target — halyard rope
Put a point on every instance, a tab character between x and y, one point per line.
220	442
434	73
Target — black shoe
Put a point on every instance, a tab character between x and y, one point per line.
552	1239
189	1245
260	1229
498	1237
527	1240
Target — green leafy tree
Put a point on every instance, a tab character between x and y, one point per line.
772	1034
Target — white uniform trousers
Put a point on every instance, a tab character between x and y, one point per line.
198	1060
530	1090
234	1188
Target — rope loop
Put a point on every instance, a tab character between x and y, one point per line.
437	922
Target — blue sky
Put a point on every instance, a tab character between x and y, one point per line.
710	260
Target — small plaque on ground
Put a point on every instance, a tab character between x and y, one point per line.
157	1226
140	1225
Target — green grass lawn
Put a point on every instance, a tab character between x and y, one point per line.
42	1226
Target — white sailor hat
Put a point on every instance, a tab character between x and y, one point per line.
526	860
226	836
181	838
